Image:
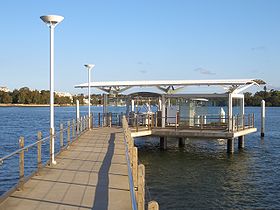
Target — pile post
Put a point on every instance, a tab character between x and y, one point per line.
61	135
21	163
39	151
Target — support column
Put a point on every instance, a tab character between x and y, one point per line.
163	113
263	118
163	142
132	105
230	145
105	109
241	142
181	142
242	112
229	112
159	104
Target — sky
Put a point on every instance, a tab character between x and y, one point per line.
139	40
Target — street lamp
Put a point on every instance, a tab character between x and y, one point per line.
52	21
89	67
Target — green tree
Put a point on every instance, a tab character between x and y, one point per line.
45	97
24	96
15	95
5	97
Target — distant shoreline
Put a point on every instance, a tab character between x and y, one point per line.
41	105
29	105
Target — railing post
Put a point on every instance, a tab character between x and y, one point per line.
237	122
156	119
99	121
85	122
201	121
135	167
88	122
132	119
153	121
51	149
73	129
141	187
61	135
68	133
21	163
39	151
149	122
91	121
110	119
153	205
137	122
130	147
81	124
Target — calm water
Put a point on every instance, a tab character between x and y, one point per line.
200	175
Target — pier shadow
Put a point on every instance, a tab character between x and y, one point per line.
101	198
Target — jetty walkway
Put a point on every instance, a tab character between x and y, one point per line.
91	174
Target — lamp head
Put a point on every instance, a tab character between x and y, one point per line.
89	66
52	20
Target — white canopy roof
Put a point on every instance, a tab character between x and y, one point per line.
168	86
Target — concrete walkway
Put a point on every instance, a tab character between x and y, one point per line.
91	174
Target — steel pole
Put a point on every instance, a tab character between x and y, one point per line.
262	118
89	98
52	89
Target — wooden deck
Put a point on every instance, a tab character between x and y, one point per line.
91	174
190	132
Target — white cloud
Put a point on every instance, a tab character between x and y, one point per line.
204	71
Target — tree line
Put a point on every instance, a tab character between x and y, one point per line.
26	96
271	97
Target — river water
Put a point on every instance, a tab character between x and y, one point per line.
203	176
199	176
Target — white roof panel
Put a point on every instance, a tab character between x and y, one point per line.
166	83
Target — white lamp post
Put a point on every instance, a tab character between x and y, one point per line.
52	21
89	67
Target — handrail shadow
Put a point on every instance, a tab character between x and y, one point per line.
102	188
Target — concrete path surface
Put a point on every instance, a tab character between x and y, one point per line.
91	174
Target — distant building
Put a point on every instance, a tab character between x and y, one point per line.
4	89
64	94
85	100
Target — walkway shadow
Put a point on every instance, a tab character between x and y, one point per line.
102	188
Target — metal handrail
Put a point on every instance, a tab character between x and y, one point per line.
22	149
35	143
238	122
130	178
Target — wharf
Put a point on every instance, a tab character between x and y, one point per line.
91	174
